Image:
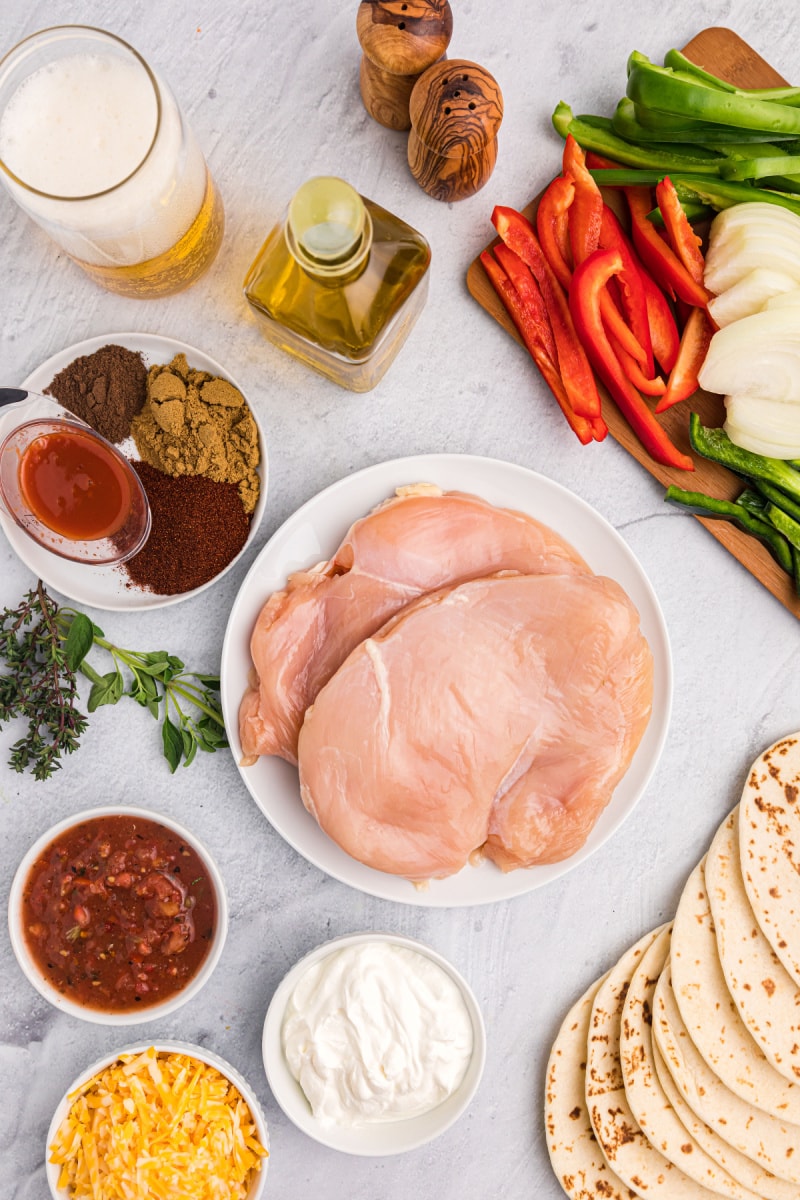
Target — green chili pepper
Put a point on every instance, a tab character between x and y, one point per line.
684	94
708	506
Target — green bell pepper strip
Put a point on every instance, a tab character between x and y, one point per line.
676	61
760	168
708	506
717	193
779	95
684	95
597	133
784	524
715	445
658	127
773	495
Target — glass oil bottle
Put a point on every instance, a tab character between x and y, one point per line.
339	282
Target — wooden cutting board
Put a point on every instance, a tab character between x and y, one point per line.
726	55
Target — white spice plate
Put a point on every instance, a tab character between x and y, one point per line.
109	587
312	534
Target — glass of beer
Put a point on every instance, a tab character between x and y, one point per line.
94	147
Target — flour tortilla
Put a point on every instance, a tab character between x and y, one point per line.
648	1102
626	1148
575	1155
747	1173
765	993
769	835
710	1014
772	1143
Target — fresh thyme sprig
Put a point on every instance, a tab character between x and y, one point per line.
39	685
44	646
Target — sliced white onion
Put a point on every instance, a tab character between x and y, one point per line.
756	356
750	295
748	250
784	300
774	420
755	215
749	440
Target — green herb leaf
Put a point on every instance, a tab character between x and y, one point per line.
173	743
107	691
79	641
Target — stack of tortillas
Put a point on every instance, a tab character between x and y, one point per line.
678	1073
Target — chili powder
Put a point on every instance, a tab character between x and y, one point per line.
199	525
105	389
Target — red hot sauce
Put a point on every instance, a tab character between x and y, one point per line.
75	485
118	913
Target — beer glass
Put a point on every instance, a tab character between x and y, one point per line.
95	149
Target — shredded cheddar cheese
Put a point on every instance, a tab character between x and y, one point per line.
154	1127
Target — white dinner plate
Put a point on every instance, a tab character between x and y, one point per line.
312	534
109	587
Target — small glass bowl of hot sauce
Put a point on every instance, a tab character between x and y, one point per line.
73	492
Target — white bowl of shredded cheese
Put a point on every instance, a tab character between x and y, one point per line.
373	1044
129	1126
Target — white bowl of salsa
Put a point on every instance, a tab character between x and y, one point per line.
117	915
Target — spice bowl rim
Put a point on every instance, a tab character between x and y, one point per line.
104	588
384	1138
99	1016
161	1045
79	550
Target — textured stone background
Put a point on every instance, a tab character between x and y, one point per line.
271	90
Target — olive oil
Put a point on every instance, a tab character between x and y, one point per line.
339	283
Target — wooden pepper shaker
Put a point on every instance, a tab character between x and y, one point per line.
400	40
456	110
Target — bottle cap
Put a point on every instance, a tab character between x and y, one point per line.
328	227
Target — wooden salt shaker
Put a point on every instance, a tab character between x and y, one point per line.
400	40
456	110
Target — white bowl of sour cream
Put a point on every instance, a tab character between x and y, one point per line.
373	1044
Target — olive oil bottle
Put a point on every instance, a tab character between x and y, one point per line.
340	282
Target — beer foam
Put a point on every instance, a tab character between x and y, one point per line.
83	124
79	125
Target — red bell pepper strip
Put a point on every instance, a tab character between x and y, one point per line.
682	238
648	387
529	327
552	227
691	356
527	289
633	297
586	211
596	162
588	284
663	330
573	365
658	258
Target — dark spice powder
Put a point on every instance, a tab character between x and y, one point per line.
199	525
106	389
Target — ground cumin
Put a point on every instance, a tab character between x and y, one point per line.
199	525
105	389
194	423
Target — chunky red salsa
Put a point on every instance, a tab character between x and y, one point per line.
118	912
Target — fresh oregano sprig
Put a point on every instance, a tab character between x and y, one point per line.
45	646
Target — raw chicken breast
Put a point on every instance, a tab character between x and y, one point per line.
498	714
420	540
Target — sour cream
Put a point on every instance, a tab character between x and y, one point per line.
376	1032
